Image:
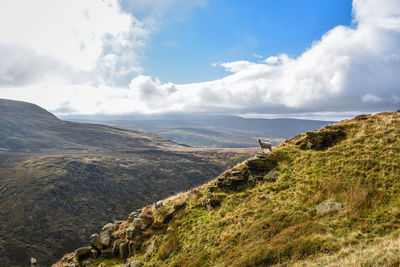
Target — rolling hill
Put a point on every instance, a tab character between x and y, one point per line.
323	198
221	131
59	179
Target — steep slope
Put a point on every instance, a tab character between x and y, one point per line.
28	128
328	197
59	179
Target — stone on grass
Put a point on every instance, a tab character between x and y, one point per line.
329	206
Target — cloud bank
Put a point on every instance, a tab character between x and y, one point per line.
348	69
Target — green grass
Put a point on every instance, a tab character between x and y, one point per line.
275	223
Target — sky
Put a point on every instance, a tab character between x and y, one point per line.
325	59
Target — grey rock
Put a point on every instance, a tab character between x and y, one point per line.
329	206
105	238
131	232
95	241
82	253
123	250
270	176
108	226
133	215
115	246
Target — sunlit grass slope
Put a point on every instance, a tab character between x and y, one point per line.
355	163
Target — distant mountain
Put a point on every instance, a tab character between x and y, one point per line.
222	131
59	179
27	127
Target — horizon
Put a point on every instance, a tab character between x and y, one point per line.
325	60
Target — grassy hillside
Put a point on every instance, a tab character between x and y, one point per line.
329	197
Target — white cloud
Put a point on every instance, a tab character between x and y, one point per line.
349	69
371	98
90	36
257	56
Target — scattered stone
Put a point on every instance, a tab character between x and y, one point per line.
82	253
150	248
322	139
329	206
108	226
95	241
72	264
270	176
123	250
131	232
116	245
105	238
133	215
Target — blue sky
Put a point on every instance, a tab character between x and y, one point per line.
316	58
182	50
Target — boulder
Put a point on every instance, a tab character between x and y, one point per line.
270	176
108	226
115	246
95	241
322	139
133	215
131	232
83	253
124	250
329	206
105	238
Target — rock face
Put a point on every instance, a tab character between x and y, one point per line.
124	239
95	241
327	207
82	253
322	139
170	215
105	238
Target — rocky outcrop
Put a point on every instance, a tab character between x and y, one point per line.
170	215
124	238
322	139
